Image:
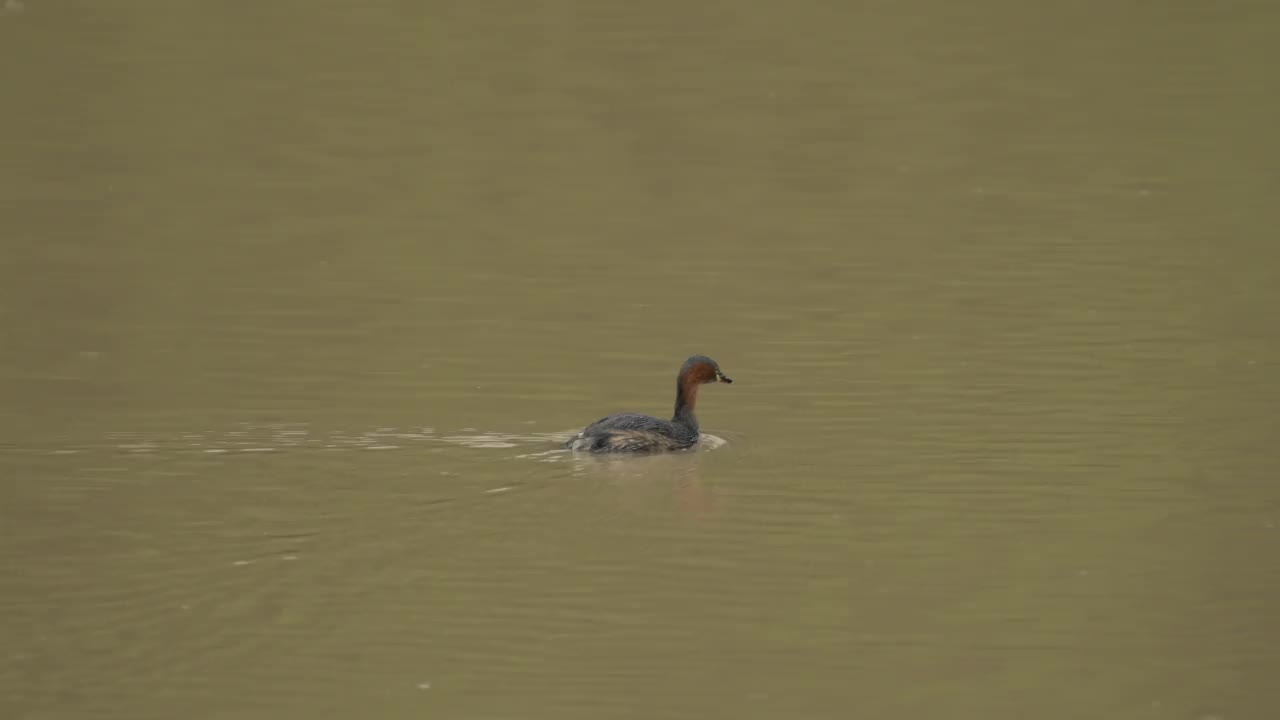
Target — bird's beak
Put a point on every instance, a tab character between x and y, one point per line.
723	378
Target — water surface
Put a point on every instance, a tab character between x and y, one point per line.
297	299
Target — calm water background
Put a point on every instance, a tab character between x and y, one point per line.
295	298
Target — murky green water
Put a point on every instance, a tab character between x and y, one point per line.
295	299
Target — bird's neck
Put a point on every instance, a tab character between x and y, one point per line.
686	399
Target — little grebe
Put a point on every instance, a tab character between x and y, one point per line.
632	432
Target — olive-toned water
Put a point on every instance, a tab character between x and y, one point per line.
297	298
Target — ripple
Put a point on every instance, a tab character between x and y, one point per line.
249	438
